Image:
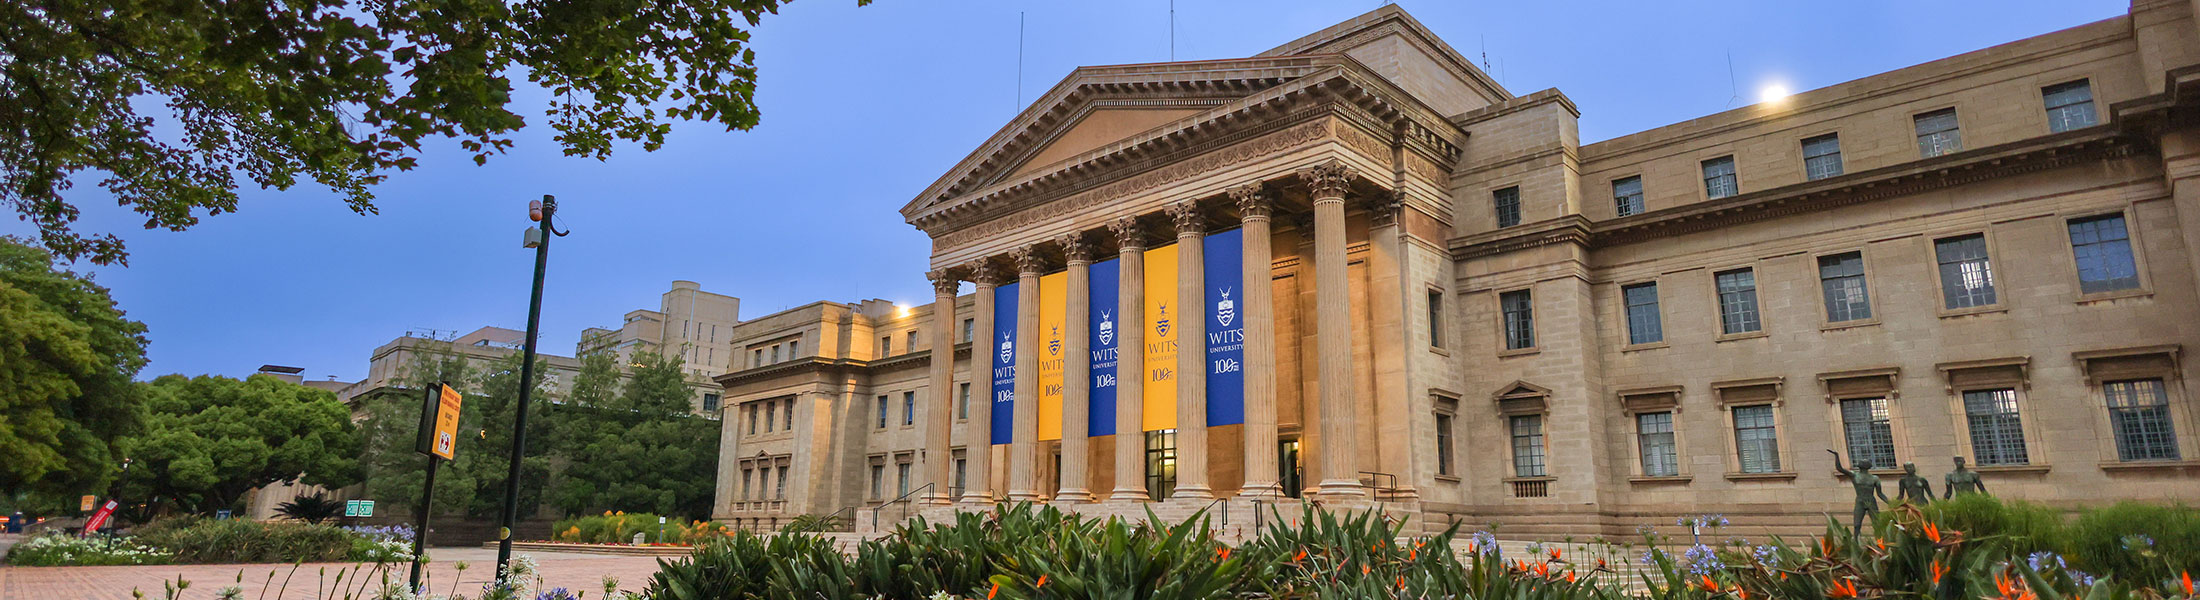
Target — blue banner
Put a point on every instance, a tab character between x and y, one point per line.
1225	275
1003	351
1106	275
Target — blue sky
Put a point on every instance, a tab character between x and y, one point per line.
864	107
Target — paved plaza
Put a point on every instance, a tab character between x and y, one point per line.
578	572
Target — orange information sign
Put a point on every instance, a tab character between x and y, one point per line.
446	423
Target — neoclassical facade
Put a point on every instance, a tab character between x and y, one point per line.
1355	270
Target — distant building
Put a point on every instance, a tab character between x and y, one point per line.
689	323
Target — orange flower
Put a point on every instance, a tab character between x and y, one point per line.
1376	547
1826	544
1300	557
1364	569
1709	585
1470	547
1932	532
1842	589
1569	577
1601	564
1401	582
1042	582
996	589
1882	544
1741	593
1223	554
1938	570
2007	587
1554	553
1413	554
1542	569
2187	576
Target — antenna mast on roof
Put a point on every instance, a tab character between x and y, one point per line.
1731	86
1172	30
1019	64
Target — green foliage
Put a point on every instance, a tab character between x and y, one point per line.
619	528
2012	526
814	523
392	427
313	508
642	449
210	541
747	566
2151	542
209	440
339	92
66	359
64	550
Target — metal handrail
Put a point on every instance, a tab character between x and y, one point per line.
829	519
1224	519
1382	491
903	500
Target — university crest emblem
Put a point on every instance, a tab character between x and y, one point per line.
1226	310
1107	328
1161	321
1054	341
1008	348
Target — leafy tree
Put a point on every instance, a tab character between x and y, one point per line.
644	450
209	440
66	359
394	471
491	410
338	91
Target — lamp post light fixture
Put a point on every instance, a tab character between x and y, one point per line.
543	211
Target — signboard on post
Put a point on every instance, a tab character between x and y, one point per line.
439	422
359	508
86	504
99	519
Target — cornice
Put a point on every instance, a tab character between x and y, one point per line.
847	366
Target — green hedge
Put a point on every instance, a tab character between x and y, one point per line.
194	540
620	527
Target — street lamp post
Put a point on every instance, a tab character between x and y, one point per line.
539	239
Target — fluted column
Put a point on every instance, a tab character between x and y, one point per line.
1388	291
978	431
940	410
1259	309
1130	363
1191	352
1333	332
1023	447
1076	369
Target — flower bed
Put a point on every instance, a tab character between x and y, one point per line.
191	540
59	550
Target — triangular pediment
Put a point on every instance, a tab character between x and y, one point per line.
1099	126
1519	390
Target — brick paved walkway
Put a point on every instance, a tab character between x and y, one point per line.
578	572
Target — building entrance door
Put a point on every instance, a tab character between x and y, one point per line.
1161	463
1287	465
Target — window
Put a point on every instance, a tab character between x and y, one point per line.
878	481
885	345
770	411
901	477
961	479
793	348
1507	202
1738	301
1443	445
1644	325
962	404
1654	435
2138	411
775	354
1436	318
2103	249
1868	432
1937	133
752	419
1841	277
746	475
1822	156
1161	463
763	480
1756	439
1718	178
790	415
1527	440
782	484
2069	105
710	403
969	328
1997	433
909	408
882	412
1966	276
1627	195
758	361
1519	319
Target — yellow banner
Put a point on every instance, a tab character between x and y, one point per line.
1053	294
1159	407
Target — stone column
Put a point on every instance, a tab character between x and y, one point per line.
1130	363
940	411
1023	447
1076	369
1387	295
1191	352
978	431
1259	310
1333	332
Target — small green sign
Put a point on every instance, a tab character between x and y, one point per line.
359	508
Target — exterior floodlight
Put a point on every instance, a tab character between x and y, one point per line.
533	238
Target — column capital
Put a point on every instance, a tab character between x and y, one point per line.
944	282
1128	233
1187	218
1329	180
1074	247
1028	261
1253	201
984	272
1383	208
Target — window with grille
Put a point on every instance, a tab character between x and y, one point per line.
1718	178
1436	318
882	412
962	402
1822	156
1443	444
771	413
885	345
1866	427
2103	248
1519	312
782	484
2069	105
790	415
1627	195
1644	325
1507	204
1654	435
1756	439
901	476
910	341
746	475
1937	133
1161	463
908	408
1738	301
1966	274
1841	277
710	403
2138	411
878	482
1997	433
775	354
793	348
752	419
1527	444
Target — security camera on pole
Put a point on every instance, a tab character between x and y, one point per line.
538	238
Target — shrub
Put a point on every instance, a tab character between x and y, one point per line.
619	528
311	509
248	541
2014	526
64	550
2151	542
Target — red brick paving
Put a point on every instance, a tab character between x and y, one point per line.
577	572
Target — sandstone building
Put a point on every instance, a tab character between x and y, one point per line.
1459	311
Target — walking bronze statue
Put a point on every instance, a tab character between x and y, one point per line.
1964	481
1913	488
1868	494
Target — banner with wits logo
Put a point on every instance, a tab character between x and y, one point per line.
1106	278
1159	406
1003	353
1053	325
1225	343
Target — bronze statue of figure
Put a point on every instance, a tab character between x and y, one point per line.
1868	494
1913	488
1963	481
